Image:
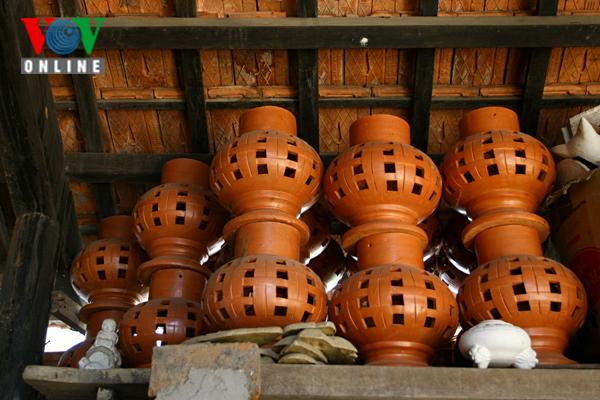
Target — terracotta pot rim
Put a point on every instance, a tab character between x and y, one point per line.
356	233
272	216
379	128
485	119
185	170
503	218
91	308
268	119
146	270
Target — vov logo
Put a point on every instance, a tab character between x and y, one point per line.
63	36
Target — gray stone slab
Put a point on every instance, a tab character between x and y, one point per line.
260	336
216	371
327	327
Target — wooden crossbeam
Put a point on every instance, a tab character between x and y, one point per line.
190	76
338	102
423	85
91	131
312	33
535	81
307	68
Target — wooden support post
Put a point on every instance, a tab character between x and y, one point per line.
190	76
30	144
25	300
4	239
423	86
91	130
535	81
307	67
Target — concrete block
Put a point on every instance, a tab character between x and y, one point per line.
223	371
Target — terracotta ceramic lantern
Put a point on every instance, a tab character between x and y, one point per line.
105	274
266	177
176	222
392	309
500	176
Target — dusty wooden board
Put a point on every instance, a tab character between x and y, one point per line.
70	383
346	382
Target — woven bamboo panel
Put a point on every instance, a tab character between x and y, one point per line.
365	72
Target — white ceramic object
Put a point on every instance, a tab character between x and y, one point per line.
498	344
104	353
585	144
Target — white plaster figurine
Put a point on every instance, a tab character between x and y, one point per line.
498	344
104	353
585	144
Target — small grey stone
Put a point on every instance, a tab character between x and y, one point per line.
297	358
327	327
260	336
269	353
304	348
337	350
286	341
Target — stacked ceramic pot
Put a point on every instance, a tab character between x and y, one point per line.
392	309
266	177
500	176
105	274
175	222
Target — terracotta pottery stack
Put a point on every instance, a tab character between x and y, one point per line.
175	223
392	309
105	274
500	176
266	177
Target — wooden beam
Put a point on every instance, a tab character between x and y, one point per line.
142	168
4	239
190	76
66	310
423	85
312	33
307	81
535	80
25	300
91	131
437	102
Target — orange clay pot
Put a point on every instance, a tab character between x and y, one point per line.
177	222
393	310
158	322
330	265
500	176
105	274
266	177
180	217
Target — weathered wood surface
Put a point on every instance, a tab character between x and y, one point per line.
307	82
310	33
69	383
423	85
299	382
25	300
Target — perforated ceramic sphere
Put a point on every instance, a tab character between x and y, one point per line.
264	290
379	175
158	322
487	163
179	211
284	165
107	264
526	291
70	358
394	303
